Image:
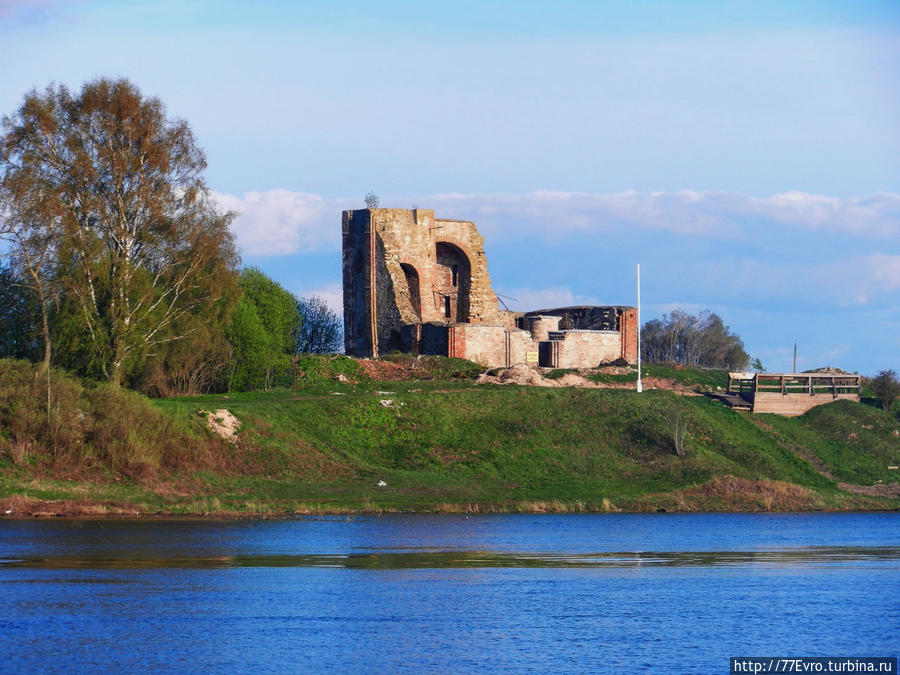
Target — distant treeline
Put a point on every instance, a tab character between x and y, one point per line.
701	340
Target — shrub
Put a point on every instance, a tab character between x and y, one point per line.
99	428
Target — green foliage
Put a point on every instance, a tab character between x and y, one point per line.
886	387
321	367
74	348
20	332
254	352
106	201
263	333
89	430
198	361
276	307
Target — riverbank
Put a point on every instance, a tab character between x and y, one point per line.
345	442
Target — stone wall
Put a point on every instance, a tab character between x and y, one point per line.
418	284
403	267
588	348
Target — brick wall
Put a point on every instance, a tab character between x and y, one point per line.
628	332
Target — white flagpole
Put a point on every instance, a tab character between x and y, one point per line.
640	386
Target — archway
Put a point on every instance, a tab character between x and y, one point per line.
412	283
452	281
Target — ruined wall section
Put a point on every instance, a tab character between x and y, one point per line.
482	305
417	284
588	348
620	320
402	267
628	328
356	262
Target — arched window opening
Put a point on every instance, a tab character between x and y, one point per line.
412	283
452	280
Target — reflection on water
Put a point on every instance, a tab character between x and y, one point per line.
400	560
446	594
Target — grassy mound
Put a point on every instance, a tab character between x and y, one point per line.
439	443
94	431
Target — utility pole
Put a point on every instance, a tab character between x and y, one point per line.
795	358
640	386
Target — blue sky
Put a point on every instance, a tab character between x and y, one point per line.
747	154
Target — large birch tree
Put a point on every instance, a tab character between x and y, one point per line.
136	243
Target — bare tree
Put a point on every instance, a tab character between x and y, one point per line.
678	428
321	330
28	230
692	340
371	200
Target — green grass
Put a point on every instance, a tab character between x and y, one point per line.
856	443
501	445
449	444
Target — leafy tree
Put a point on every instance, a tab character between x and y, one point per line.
886	387
322	330
27	227
116	188
20	335
198	362
684	339
253	353
263	332
371	200
758	366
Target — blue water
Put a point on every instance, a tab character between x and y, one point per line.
573	593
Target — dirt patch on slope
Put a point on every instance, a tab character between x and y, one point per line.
222	423
730	493
533	376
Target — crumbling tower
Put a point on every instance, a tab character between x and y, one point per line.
403	268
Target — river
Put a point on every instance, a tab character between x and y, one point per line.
661	593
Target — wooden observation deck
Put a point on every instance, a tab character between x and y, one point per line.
789	394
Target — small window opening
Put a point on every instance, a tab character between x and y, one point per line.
447	306
454	274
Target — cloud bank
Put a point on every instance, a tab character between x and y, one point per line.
281	222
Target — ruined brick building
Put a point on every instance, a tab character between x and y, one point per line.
416	284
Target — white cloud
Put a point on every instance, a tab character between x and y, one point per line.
723	215
876	216
281	222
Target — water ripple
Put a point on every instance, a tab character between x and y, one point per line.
437	559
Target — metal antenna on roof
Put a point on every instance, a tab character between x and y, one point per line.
500	300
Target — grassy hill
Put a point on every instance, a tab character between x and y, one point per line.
441	442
